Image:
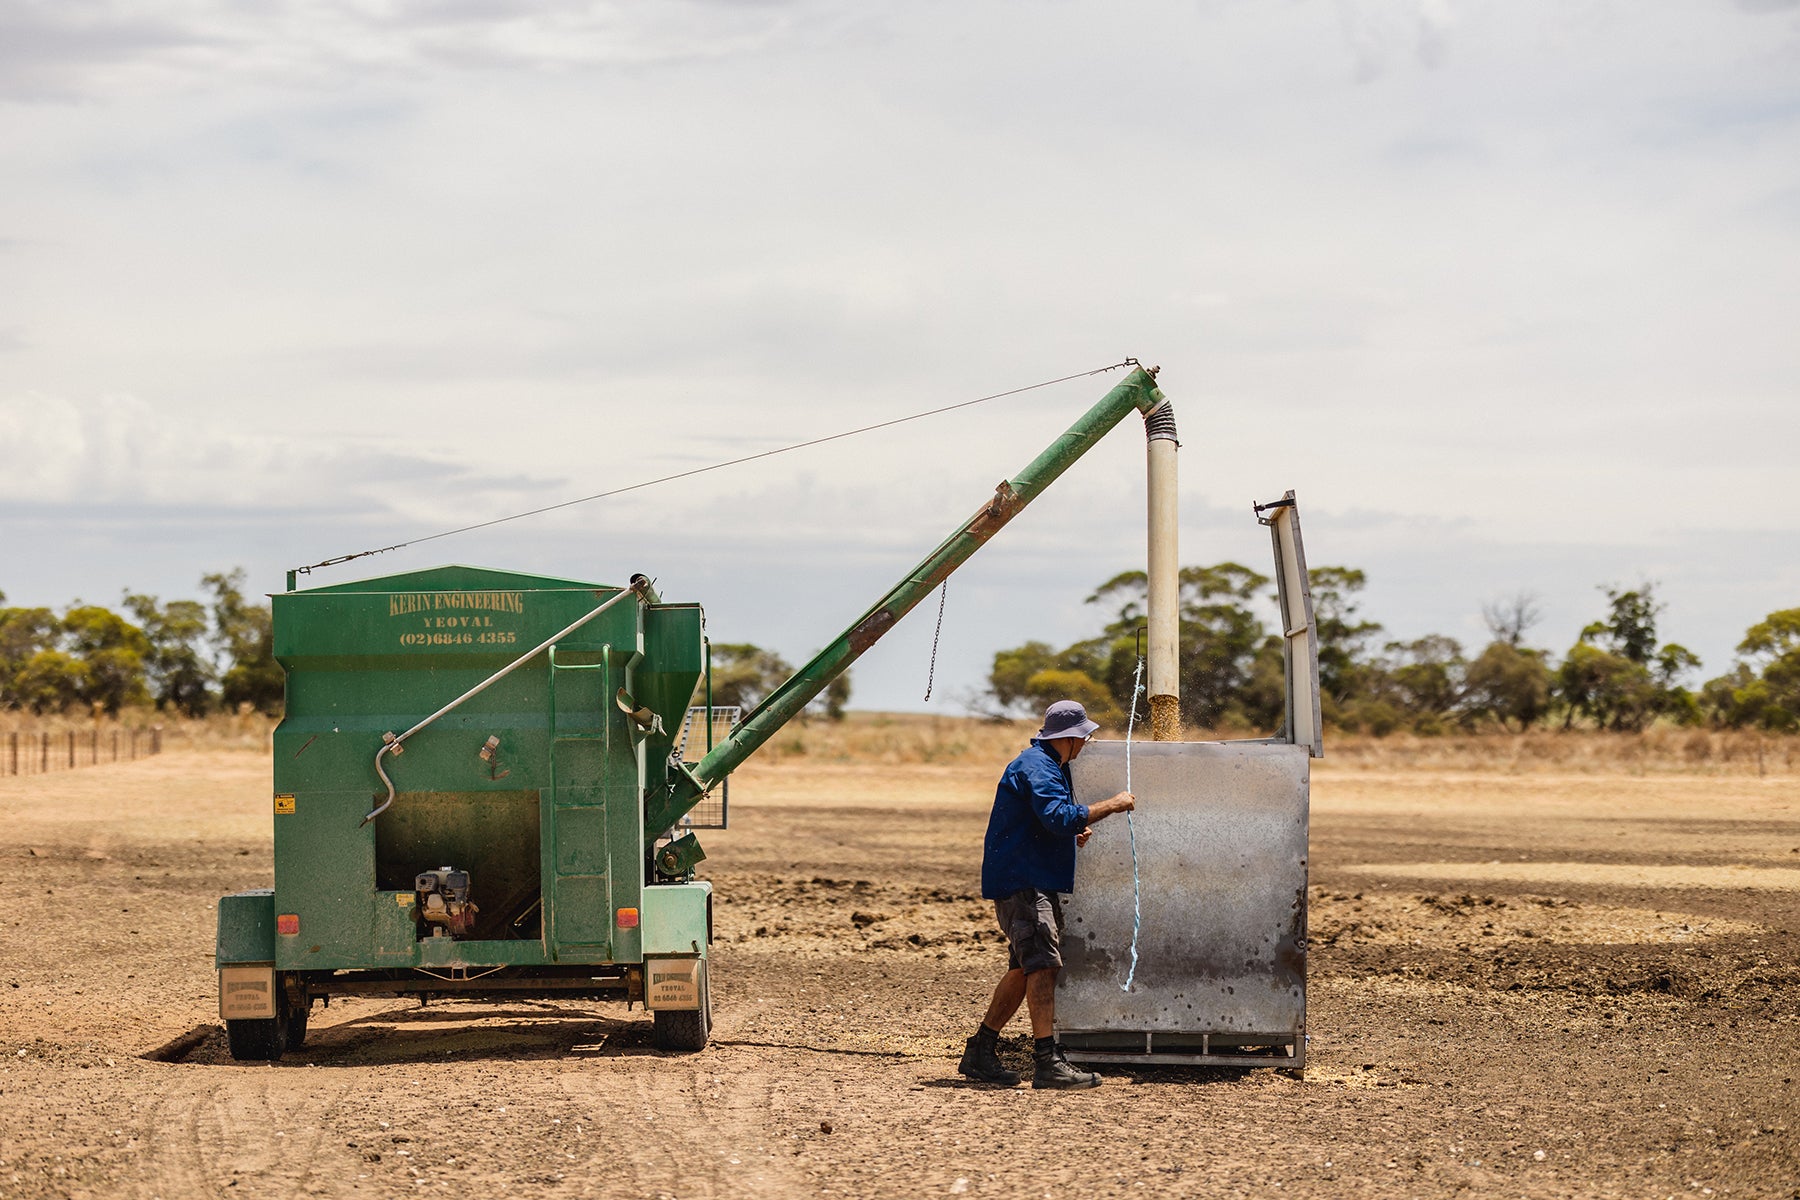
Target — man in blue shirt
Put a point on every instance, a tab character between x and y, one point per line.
1027	859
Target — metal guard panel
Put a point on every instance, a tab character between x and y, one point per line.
1222	849
246	928
675	918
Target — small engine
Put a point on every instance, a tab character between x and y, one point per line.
443	897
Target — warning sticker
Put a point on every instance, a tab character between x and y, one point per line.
403	899
284	803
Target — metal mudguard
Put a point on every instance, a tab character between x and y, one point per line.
246	928
677	919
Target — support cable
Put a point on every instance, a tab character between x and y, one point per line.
632	487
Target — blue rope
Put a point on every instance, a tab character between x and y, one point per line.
1137	909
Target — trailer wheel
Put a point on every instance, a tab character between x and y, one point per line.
686	1031
296	1025
257	1040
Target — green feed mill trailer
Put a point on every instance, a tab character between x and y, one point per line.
477	790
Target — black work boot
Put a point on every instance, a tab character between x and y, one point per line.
980	1063
1054	1071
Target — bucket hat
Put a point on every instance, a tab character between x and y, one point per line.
1066	718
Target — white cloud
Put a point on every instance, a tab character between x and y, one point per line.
384	269
1378	31
56	51
119	451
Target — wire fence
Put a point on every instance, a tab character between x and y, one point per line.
38	752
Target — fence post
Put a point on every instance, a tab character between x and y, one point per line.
156	739
44	762
94	746
15	752
71	749
115	745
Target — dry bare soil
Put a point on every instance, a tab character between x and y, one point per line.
1521	984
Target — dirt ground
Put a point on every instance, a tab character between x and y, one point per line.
1519	984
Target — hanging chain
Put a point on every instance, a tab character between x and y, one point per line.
931	674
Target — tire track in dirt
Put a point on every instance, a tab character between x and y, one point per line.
699	1125
260	1127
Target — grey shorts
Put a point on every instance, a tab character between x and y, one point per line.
1033	923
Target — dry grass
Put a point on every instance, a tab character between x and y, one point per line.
904	738
221	731
888	738
1661	750
925	738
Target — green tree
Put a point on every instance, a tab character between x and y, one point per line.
1507	683
1735	699
1344	667
1012	673
1617	676
1027	679
112	649
50	681
1673	662
243	636
25	633
1630	625
179	675
1426	678
1232	672
1609	689
744	674
1763	690
831	702
1221	639
1047	687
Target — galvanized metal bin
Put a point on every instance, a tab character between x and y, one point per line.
1221	846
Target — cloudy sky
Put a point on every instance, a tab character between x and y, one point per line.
1509	291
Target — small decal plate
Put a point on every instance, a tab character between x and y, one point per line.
246	993
284	803
672	983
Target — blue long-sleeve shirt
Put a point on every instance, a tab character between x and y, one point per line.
1031	835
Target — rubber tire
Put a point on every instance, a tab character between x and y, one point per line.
684	1032
296	1025
257	1041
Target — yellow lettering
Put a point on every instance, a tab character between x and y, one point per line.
405	603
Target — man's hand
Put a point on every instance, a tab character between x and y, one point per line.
1123	802
1081	839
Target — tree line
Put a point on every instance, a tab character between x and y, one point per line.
186	656
198	656
1616	676
195	657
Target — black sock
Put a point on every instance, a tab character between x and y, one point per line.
1044	1048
